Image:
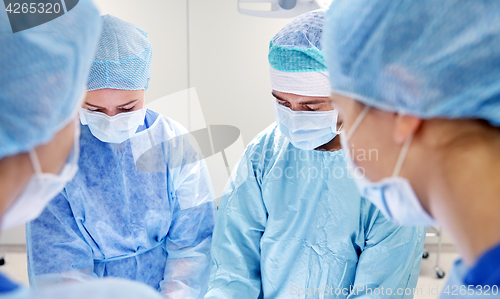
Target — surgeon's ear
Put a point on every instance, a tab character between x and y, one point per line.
406	125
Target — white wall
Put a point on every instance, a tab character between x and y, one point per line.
13	236
228	64
166	24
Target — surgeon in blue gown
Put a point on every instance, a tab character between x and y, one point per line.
291	223
43	70
419	81
141	206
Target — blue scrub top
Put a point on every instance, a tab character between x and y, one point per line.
487	269
6	285
148	120
141	210
291	222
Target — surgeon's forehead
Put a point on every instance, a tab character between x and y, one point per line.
113	96
337	99
344	104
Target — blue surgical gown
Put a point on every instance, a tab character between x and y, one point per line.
142	210
292	225
480	281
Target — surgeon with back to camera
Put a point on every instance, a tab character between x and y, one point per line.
142	205
42	79
292	224
420	82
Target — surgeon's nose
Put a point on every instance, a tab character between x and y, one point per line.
112	112
297	107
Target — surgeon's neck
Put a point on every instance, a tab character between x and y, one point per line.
464	186
332	146
15	172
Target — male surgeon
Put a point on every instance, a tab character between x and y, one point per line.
292	223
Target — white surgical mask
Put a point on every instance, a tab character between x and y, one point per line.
41	188
393	196
113	129
306	129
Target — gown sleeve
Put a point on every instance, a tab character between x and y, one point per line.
241	221
190	235
57	251
389	264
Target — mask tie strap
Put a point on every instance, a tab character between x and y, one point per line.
340	128
402	156
358	120
35	162
83	118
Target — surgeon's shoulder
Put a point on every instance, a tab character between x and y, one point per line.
106	288
169	125
178	140
270	141
270	137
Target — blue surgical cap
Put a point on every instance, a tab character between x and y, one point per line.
296	62
297	47
42	76
422	57
123	58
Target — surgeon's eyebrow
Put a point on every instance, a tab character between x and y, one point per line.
94	106
279	98
133	101
312	102
124	105
307	102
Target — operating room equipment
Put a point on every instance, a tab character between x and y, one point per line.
280	8
435	232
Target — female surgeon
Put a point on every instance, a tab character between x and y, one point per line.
42	75
141	206
419	81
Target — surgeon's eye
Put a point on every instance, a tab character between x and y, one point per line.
284	103
127	109
320	106
313	107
